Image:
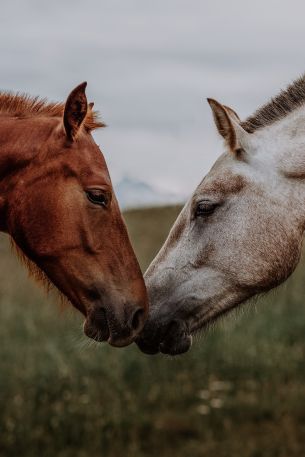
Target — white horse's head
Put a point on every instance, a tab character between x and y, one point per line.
240	233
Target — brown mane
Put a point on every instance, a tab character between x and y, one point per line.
284	103
21	105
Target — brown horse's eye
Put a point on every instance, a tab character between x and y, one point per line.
205	208
98	197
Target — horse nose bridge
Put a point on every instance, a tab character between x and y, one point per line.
123	314
160	283
128	292
125	279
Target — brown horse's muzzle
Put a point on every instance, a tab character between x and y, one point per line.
118	329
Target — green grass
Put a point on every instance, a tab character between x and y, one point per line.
239	392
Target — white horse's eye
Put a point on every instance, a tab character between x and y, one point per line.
205	208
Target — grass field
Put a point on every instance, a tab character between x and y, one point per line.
239	392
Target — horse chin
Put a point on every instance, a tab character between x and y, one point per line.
148	347
180	347
171	339
96	334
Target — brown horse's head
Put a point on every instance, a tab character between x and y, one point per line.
61	211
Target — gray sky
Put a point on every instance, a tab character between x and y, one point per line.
150	66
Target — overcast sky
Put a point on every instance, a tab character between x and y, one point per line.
150	64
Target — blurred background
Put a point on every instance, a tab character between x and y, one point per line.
149	67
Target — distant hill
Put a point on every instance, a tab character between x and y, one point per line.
132	193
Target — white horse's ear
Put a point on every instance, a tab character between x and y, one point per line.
232	113
228	126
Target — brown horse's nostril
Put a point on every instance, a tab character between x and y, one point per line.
137	320
104	325
96	326
100	317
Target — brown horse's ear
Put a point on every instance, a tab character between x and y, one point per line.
228	125
75	110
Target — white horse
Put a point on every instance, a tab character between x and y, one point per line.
241	232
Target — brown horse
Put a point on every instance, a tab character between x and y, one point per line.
58	205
